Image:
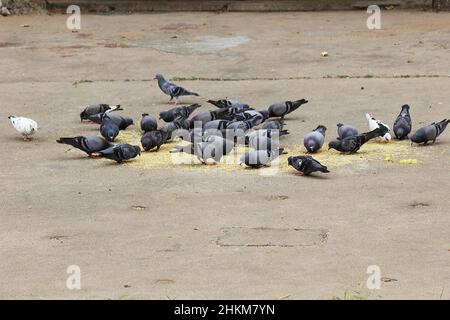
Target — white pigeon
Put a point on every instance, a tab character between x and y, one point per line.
374	124
26	127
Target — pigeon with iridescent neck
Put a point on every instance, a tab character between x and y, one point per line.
403	124
171	89
313	141
430	132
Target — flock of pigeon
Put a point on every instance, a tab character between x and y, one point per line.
213	134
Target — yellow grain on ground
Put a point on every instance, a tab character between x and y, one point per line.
395	152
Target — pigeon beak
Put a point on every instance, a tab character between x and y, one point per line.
9	117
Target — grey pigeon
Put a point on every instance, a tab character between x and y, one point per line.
208	150
229	103
306	165
243	125
122	122
274	124
237	110
97	109
169	128
263	142
313	141
152	139
88	144
233	106
430	132
226	144
260	158
262	133
109	129
121	152
96	118
171	89
213	147
280	109
216	124
195	135
353	143
258	116
403	125
183	123
203	117
176	112
345	131
148	123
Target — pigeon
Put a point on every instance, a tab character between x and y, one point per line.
97	109
258	116
239	109
260	158
148	123
169	128
183	123
260	142
344	131
229	103
280	109
96	118
306	165
121	122
121	152
243	125
262	133
88	144
194	135
176	112
226	144
25	126
172	90
313	141
206	116
215	125
212	147
208	150
374	123
274	124
403	125
430	132
109	129
353	143
152	139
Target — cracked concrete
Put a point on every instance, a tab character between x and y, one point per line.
60	208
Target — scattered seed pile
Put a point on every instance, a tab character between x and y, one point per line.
395	152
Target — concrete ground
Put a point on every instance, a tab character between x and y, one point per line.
178	233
